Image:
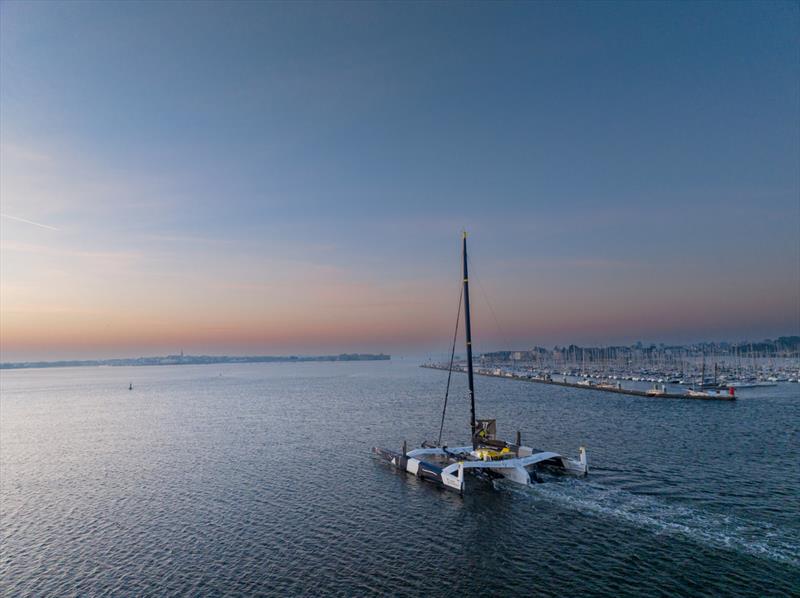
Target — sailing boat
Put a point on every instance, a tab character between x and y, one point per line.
698	390
487	458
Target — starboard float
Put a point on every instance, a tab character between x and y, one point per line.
487	458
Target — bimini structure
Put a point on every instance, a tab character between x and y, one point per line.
487	458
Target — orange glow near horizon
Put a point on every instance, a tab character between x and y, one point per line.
64	295
331	315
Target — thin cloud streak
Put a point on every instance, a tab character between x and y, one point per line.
26	221
122	256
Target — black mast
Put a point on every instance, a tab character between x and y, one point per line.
468	329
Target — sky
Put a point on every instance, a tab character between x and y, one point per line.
270	178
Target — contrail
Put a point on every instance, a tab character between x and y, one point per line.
26	221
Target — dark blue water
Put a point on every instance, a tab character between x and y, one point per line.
258	478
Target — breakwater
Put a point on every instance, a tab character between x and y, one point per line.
617	389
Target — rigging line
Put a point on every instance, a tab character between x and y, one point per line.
485	296
450	369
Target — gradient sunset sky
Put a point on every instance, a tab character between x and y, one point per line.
267	178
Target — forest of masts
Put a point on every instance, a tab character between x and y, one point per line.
740	359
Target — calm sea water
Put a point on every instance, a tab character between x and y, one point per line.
258	478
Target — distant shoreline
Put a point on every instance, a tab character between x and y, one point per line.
191	360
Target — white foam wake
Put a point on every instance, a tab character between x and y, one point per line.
720	531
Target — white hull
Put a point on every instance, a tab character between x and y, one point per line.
448	466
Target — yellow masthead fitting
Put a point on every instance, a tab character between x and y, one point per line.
464	234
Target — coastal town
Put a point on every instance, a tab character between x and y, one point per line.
182	359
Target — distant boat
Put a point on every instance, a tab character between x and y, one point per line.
704	382
130	386
748	384
701	394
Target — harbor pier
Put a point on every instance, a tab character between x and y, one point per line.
617	389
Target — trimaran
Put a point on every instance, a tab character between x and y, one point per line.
487	458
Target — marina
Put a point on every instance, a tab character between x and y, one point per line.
699	365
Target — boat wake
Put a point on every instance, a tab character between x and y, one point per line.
719	531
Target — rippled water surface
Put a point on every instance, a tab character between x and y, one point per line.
258	478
